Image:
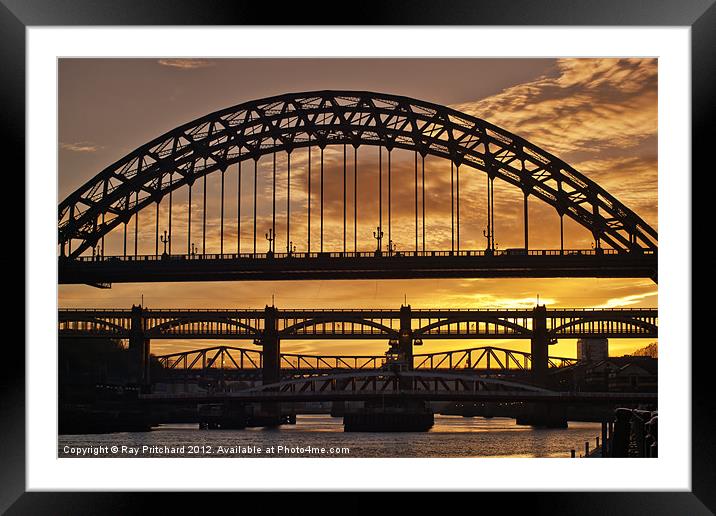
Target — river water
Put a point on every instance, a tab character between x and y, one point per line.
323	436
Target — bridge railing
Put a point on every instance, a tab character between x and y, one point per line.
484	358
377	324
396	312
360	254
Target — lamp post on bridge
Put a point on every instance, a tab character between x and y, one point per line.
165	241
97	252
270	238
391	247
378	235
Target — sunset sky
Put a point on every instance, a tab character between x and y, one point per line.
599	115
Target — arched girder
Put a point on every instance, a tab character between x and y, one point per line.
652	328
159	329
484	350
119	330
302	357
212	348
287	122
367	375
291	330
222	352
521	330
480	348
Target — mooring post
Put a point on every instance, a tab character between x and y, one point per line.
605	441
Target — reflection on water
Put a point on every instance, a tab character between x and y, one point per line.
452	436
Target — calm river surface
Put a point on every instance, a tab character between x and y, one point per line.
323	436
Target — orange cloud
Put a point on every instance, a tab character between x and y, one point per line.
588	103
80	147
186	64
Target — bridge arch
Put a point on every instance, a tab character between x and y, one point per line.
294	328
637	323
335	381
321	118
159	329
519	330
115	329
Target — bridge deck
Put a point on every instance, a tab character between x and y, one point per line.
476	396
400	265
374	324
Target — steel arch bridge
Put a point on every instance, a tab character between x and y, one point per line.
287	123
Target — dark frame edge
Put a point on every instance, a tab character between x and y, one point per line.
393	12
12	381
702	499
703	112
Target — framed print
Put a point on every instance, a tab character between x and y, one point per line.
421	257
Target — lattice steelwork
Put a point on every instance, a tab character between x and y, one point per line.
219	357
375	382
227	357
484	358
382	385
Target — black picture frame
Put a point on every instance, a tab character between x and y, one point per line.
699	15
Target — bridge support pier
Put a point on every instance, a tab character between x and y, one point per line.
138	351
223	416
539	345
546	415
270	413
390	416
405	337
338	408
271	368
394	415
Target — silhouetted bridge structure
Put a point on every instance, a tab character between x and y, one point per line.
410	385
226	363
101	271
303	127
403	328
254	145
